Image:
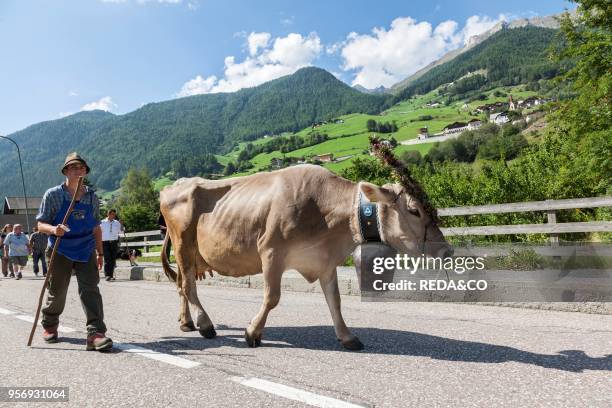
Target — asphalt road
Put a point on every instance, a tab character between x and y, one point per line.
417	354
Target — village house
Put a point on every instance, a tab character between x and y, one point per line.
531	102
499	118
325	157
15	210
454	128
423	133
474	124
460	127
491	107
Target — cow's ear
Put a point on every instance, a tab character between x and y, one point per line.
376	194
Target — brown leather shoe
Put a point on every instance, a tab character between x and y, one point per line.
99	342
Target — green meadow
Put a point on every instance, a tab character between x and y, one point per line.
348	135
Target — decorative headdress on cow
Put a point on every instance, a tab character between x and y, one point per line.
402	174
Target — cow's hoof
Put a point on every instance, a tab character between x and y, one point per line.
208	333
252	341
353	344
188	327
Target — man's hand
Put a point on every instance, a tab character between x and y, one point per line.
100	261
59	230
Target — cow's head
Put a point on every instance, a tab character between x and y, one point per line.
406	223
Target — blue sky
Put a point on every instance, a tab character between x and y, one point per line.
60	57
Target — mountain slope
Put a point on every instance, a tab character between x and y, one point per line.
542	22
159	133
509	57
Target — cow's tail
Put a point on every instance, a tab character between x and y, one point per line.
170	273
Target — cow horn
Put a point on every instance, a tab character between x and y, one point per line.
385	155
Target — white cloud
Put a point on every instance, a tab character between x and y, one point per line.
193	5
476	25
386	56
257	41
73	92
267	60
64	114
105	103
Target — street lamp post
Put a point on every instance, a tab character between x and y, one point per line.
25	195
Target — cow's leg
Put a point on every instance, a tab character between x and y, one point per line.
205	325
186	260
185	315
329	285
272	290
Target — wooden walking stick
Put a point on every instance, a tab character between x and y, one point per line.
50	268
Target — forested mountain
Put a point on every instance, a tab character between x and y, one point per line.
545	22
509	57
159	134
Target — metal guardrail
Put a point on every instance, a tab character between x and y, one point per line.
551	228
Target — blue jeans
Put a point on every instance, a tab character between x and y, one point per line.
36	256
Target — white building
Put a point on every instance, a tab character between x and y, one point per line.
499	118
423	133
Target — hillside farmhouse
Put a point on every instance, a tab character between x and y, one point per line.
460	127
499	118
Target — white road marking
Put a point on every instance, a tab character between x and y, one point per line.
6	312
60	328
295	394
154	355
242	340
166	358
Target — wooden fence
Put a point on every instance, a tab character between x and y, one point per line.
551	228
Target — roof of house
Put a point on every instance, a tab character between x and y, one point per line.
455	125
18	203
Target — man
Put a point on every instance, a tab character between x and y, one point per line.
79	251
111	228
38	243
6	266
17	246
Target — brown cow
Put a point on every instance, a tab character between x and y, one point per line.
302	218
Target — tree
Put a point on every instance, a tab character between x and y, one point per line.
587	51
230	169
138	203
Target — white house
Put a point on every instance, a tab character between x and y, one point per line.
474	124
423	133
455	127
499	118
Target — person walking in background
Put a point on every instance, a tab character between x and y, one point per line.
6	266
111	228
17	245
76	252
38	243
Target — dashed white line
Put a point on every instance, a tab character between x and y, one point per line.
30	319
292	393
6	312
154	355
